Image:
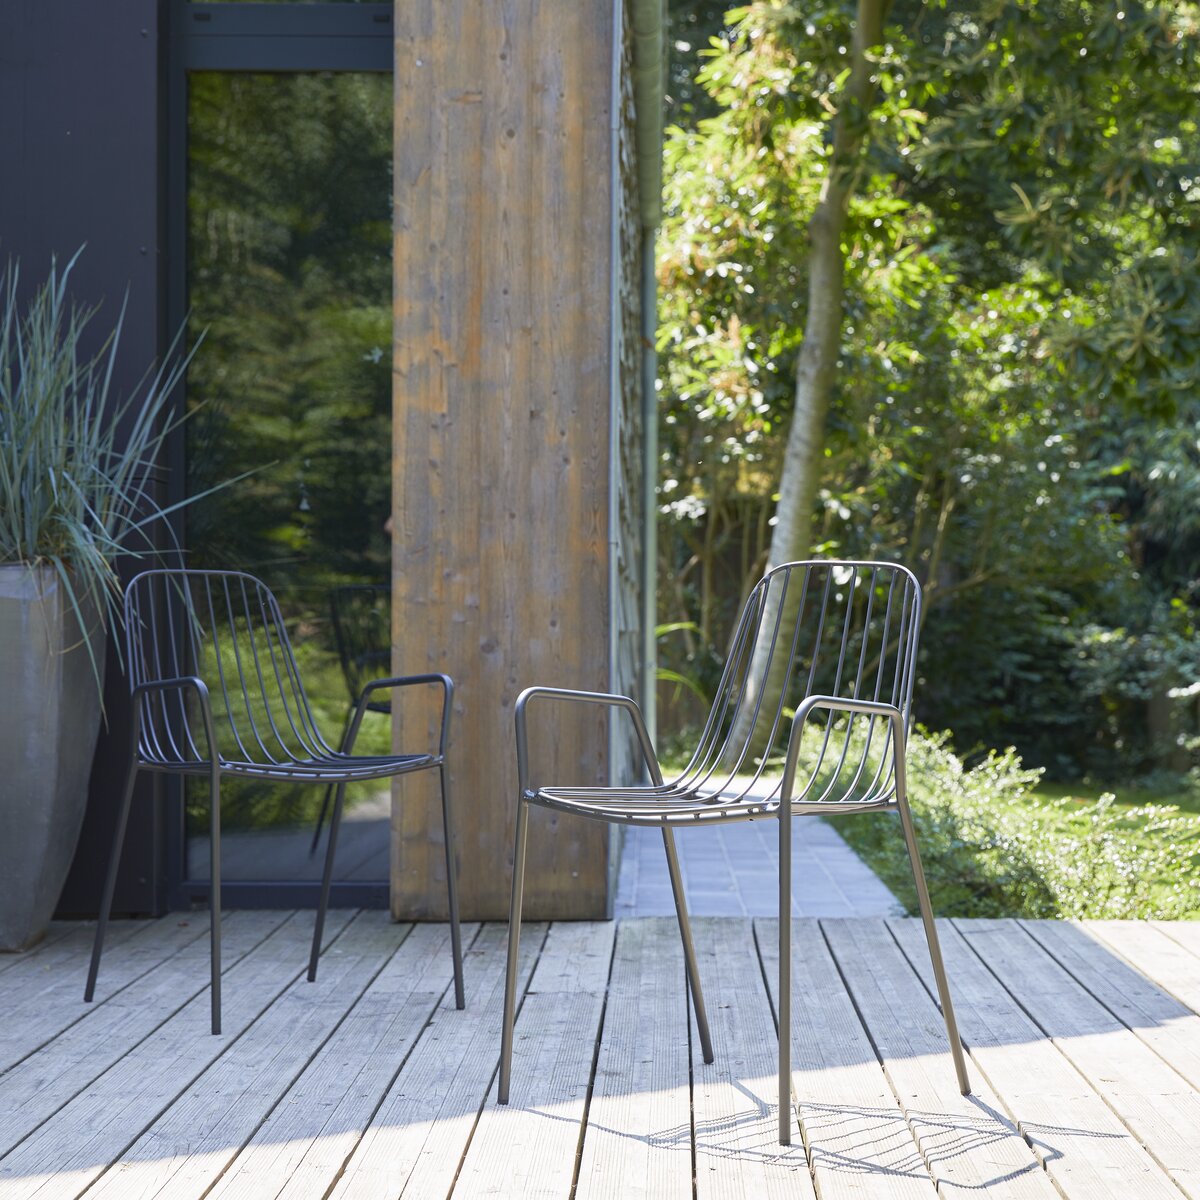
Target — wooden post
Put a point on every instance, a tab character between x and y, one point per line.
503	349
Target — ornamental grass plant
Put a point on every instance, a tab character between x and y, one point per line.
77	461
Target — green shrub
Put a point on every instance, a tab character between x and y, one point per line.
992	848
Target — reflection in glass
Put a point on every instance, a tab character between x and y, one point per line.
289	272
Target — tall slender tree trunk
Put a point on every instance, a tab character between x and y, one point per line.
816	367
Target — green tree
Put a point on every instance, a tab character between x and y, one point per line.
1016	254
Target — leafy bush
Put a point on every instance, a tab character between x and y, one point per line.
993	848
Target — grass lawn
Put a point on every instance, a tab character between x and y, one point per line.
1127	795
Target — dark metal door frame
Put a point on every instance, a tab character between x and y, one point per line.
288	37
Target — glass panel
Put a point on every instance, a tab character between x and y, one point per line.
289	271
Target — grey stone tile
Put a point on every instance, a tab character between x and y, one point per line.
732	869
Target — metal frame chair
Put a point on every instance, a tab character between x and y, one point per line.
842	639
216	692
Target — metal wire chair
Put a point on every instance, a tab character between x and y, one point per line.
361	616
840	639
216	692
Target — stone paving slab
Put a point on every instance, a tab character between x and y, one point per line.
731	871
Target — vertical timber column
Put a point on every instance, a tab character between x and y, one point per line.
501	429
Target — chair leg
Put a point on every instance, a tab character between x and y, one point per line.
460	1000
514	942
689	948
326	881
931	937
110	880
214	898
785	975
316	838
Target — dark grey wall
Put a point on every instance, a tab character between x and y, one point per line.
80	143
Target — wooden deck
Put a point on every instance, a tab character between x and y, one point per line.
1084	1042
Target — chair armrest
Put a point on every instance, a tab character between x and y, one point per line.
400	681
869	708
184	683
608	699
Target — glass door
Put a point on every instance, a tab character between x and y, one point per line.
287	246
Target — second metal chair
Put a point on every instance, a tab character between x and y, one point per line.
217	693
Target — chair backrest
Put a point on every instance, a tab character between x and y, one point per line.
226	628
821	627
362	625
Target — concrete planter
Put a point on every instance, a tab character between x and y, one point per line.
49	720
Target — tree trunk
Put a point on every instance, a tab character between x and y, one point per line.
816	367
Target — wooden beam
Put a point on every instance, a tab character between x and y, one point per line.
501	429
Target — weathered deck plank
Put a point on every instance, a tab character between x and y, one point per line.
370	1084
968	1146
1160	951
1086	1149
415	1143
1186	933
50	991
528	1147
186	1150
1165	1024
639	1131
35	1089
301	1148
78	933
1151	1099
85	1137
844	1099
738	1155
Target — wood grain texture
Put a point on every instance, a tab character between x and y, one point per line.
75	930
370	1085
51	998
71	1150
35	1089
415	1141
501	412
969	1147
304	1144
1090	954
1153	1101
528	1147
639	1129
736	1127
1186	933
183	1153
1086	1149
841	1092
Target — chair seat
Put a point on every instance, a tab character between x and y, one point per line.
331	768
699	804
